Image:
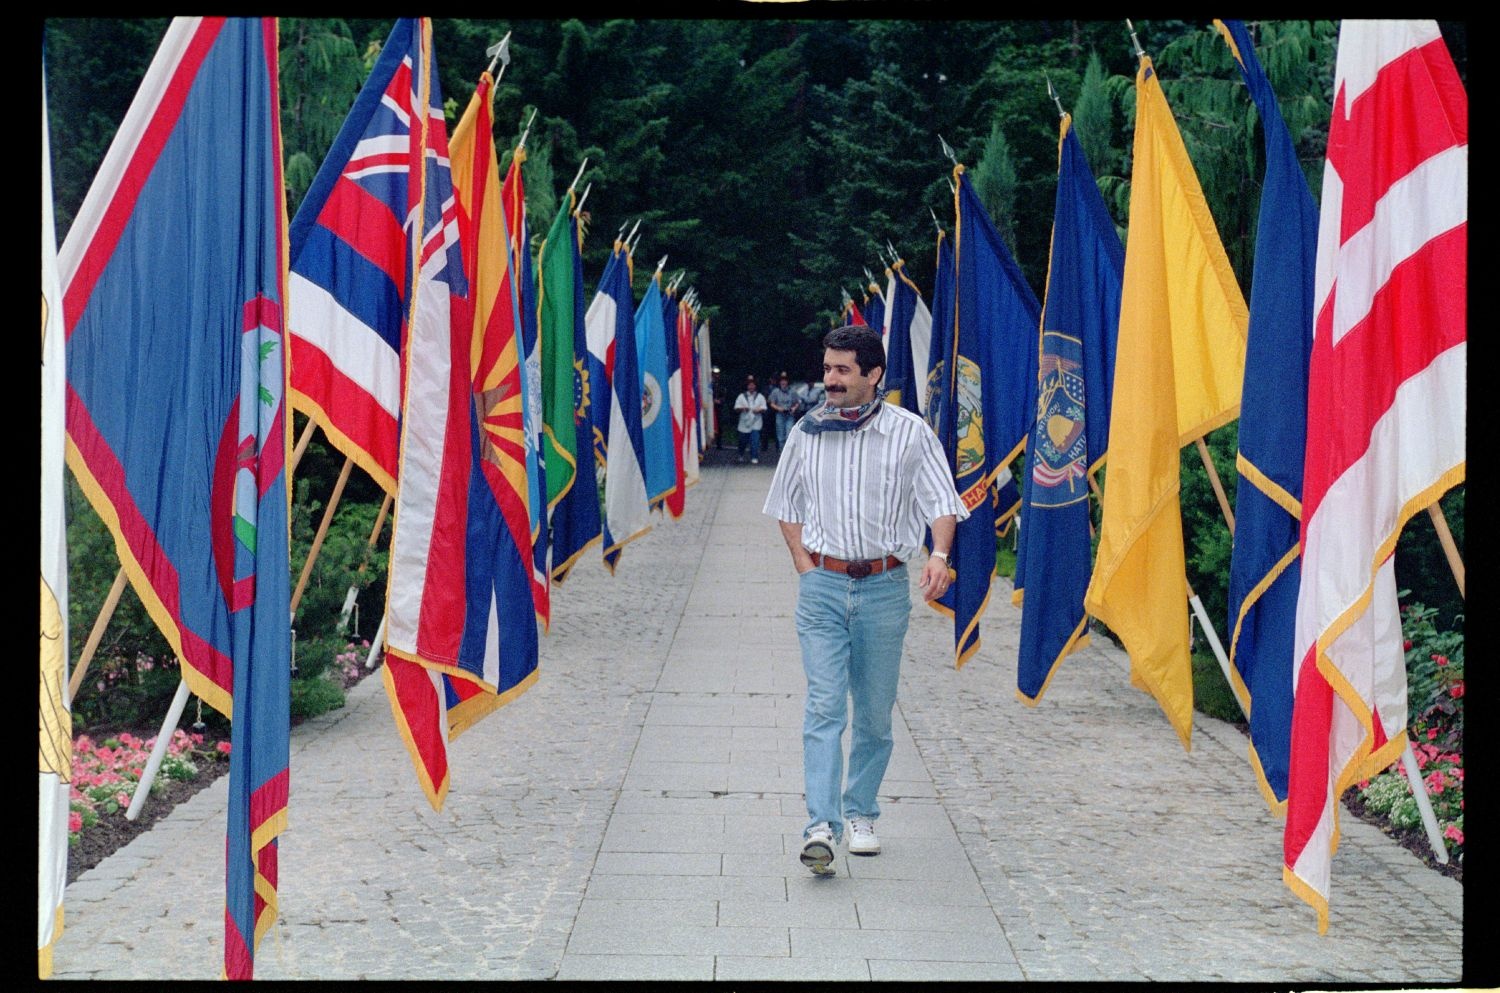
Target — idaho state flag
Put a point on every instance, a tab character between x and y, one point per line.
174	285
1077	359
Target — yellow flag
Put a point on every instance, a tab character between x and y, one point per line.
1179	365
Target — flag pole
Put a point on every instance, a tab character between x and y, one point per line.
1213	477
375	644
312	553
1213	641
369	547
579	176
585	195
1424	803
111	601
158	751
1450	549
297	452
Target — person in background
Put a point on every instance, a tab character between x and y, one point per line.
751	406
859	480
783	402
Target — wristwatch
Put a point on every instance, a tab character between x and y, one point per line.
940	555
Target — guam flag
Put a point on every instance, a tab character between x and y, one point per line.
991	393
351	265
173	294
1077	359
1265	571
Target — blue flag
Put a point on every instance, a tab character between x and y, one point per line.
575	520
875	308
902	381
989	399
173	295
1068	440
656	412
1264	572
627	512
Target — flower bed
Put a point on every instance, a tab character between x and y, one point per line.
1435	693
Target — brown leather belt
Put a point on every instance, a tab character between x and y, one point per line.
857	569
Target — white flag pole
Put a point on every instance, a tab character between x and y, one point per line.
158	751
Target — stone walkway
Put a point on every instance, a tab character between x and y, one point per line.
636	815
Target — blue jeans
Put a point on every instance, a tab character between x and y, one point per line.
851	631
753	439
783	427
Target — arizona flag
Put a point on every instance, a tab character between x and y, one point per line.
54	719
990	393
1179	366
1385	409
531	380
351	265
1265	571
1080	320
177	425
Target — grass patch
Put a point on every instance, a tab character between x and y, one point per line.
1211	692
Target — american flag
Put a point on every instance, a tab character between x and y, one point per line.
1385	412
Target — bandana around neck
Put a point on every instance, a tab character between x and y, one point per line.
827	417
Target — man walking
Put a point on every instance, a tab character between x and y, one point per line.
858	481
751	406
784	402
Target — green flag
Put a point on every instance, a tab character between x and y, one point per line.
555	319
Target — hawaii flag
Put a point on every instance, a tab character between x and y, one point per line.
54	722
351	259
174	282
1385	410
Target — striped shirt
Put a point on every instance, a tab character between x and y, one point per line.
867	493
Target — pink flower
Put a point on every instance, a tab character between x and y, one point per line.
123	799
1457	690
222	748
1441	660
1436	781
75	821
1452	833
1431	734
1406	645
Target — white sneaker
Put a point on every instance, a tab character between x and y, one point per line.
862	839
817	850
755	461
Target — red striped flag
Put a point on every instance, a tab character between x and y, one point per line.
1385	412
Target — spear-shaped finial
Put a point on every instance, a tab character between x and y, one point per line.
935	222
660	264
527	130
1139	51
868	278
501	52
634	229
576	178
1052	92
948	150
579	209
895	256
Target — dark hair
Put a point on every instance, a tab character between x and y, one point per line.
863	341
